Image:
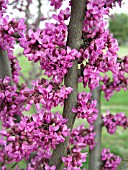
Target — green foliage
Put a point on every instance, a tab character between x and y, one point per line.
118	25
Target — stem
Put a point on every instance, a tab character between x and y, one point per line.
14	164
39	14
5	69
75	41
95	154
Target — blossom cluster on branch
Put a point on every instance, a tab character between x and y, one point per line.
112	121
39	133
86	107
100	51
14	102
9	29
80	138
110	161
56	3
119	81
48	46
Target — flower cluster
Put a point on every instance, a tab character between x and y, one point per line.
45	166
56	63
39	133
56	3
112	121
86	107
74	160
100	48
119	81
48	46
9	30
10	102
82	137
14	102
124	64
46	93
12	26
91	76
79	139
110	161
3	5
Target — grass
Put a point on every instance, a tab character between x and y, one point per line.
118	143
123	51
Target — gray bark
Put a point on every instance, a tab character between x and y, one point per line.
75	41
5	69
95	154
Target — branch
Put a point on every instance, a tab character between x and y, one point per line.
27	14
11	3
5	69
39	13
95	154
14	164
75	41
124	159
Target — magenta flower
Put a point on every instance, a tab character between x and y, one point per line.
86	107
110	161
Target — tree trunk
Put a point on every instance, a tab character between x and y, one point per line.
95	154
74	41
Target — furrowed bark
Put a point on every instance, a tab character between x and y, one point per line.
5	69
74	41
95	154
